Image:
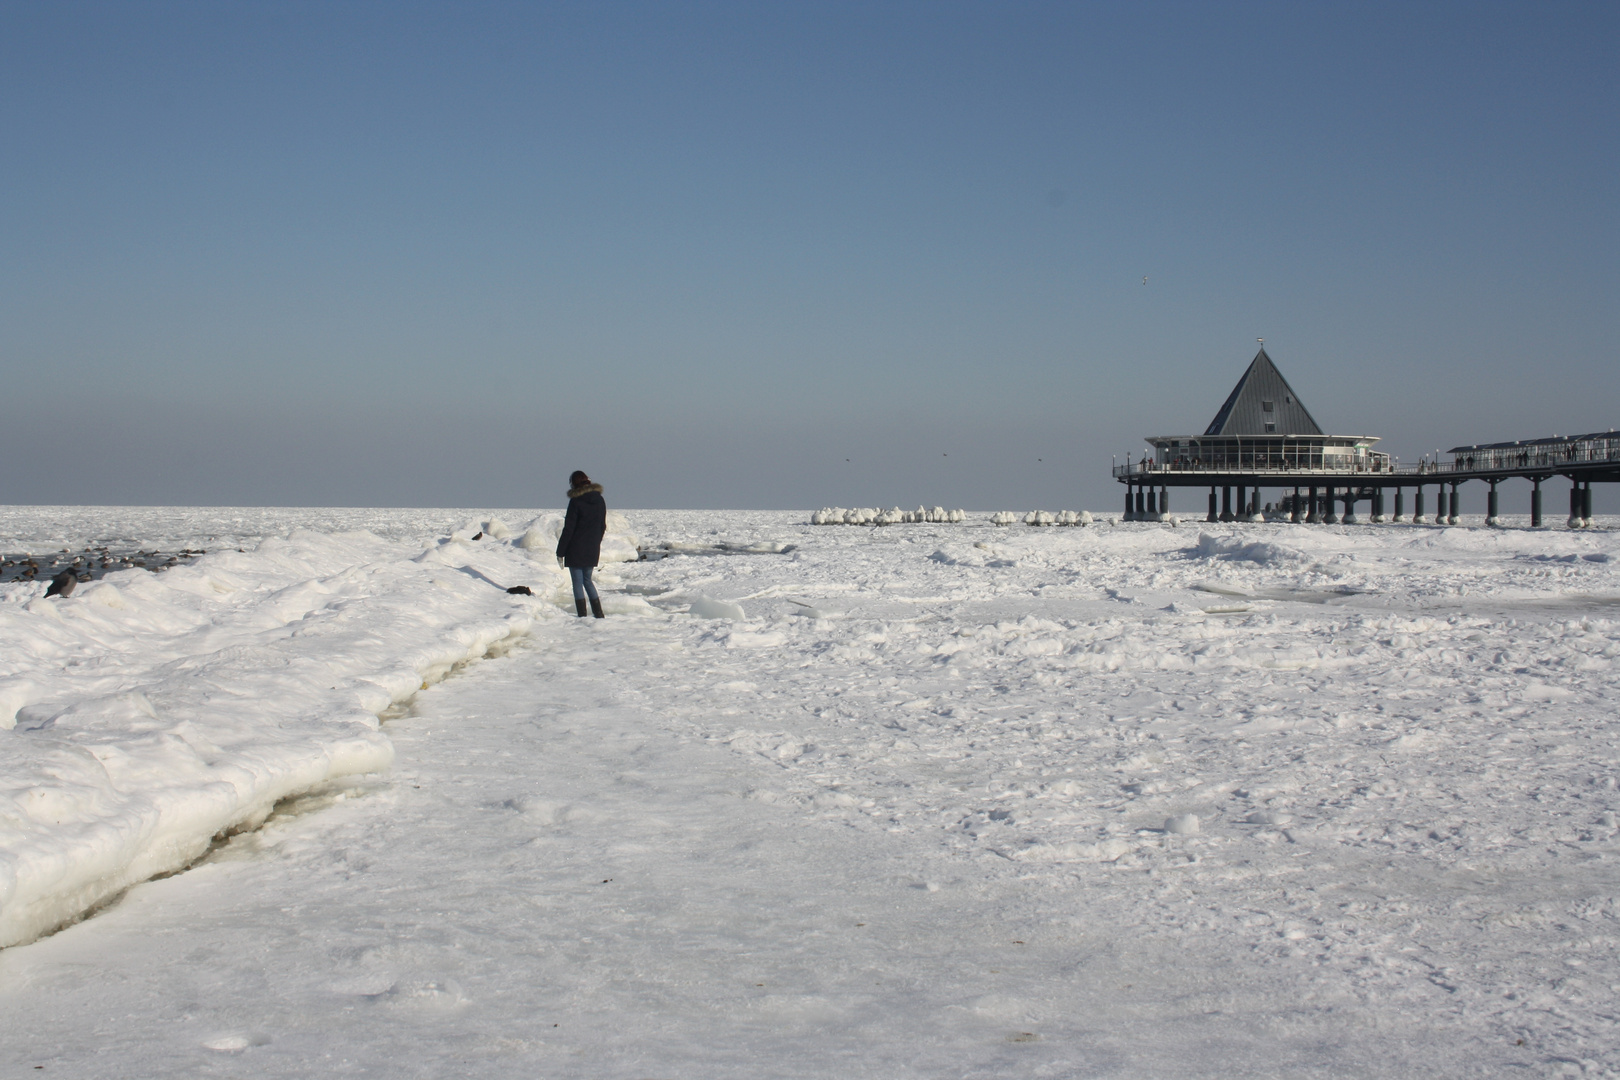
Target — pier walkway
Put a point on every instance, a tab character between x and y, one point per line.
1315	490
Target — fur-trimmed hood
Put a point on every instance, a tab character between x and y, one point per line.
584	489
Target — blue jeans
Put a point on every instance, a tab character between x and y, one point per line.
581	576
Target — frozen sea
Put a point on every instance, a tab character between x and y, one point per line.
1123	800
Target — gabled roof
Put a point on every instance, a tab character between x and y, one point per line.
1245	414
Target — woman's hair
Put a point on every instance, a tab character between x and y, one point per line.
578	479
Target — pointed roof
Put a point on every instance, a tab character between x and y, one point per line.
1245	410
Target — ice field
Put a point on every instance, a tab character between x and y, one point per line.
930	799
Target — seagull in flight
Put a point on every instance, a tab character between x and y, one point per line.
1144	279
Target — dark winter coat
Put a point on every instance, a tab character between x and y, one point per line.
581	541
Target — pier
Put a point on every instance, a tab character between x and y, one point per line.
1264	438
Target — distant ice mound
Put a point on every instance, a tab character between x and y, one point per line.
837	515
1042	518
1233	549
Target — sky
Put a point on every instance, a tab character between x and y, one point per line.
782	255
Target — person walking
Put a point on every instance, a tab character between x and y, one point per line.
580	545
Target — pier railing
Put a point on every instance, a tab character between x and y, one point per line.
1151	468
1515	460
1552	457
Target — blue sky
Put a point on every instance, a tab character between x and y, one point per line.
391	254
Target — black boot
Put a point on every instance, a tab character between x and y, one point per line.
579	607
596	607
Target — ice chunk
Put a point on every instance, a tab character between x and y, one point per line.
1268	817
707	607
542	533
618	549
619	604
1181	824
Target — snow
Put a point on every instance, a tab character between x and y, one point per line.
149	713
944	799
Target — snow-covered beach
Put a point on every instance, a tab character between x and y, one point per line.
945	799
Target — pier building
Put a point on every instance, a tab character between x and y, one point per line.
1264	437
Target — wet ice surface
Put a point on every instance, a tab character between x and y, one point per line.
948	800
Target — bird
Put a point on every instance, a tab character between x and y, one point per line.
63	584
1144	279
